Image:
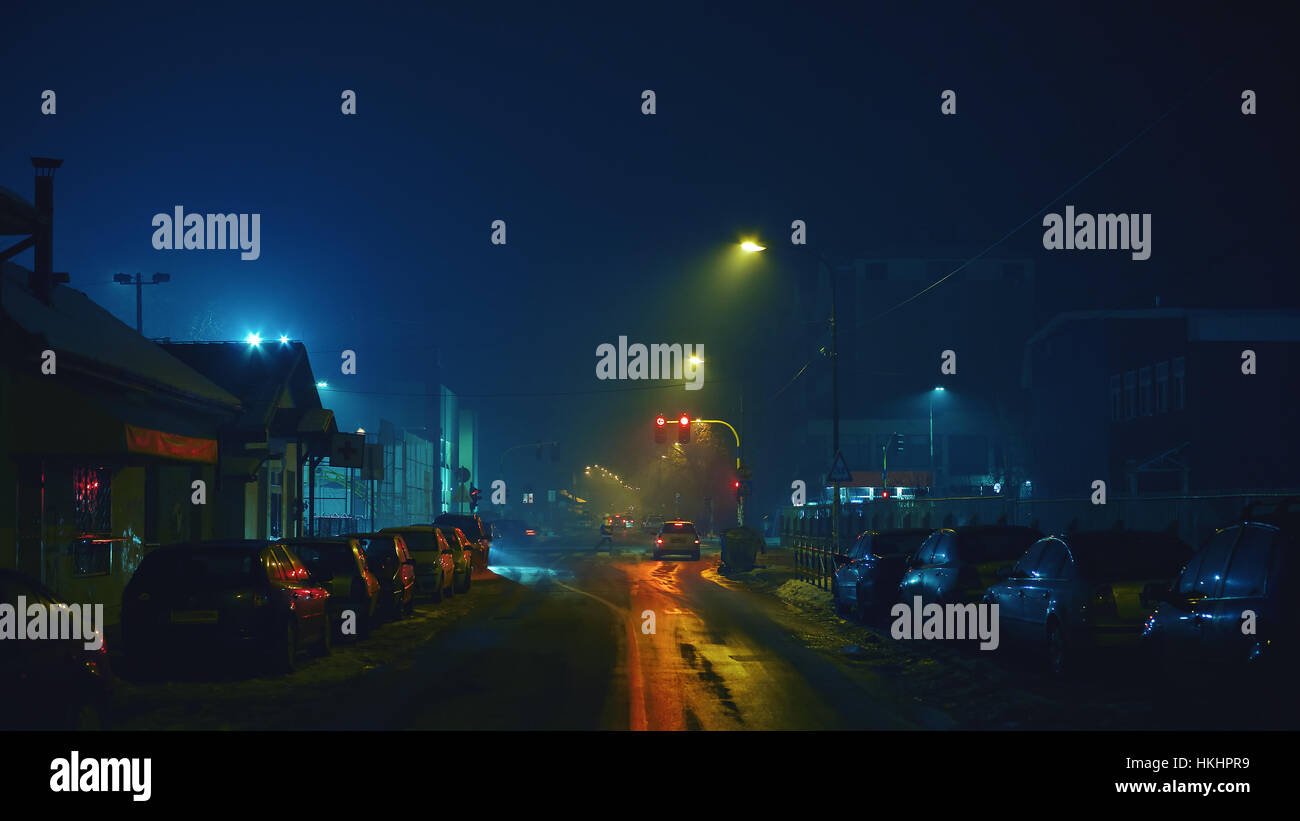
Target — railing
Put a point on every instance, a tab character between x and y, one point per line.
814	561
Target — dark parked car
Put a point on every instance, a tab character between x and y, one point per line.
391	562
247	596
1202	628
479	534
959	565
51	685
436	571
874	565
339	565
1072	595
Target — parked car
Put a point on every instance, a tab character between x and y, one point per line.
460	552
875	564
52	684
339	565
479	534
1231	613
434	569
960	564
513	534
389	559
1072	595
249	597
677	537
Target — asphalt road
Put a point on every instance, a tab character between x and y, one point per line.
572	639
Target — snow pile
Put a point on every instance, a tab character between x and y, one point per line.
804	595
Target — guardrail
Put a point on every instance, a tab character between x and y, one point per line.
814	560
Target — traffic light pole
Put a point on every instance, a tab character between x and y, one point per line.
740	500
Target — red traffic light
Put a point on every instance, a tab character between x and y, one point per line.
661	429
660	420
684	421
736	484
684	428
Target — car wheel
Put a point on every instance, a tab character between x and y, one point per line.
1057	658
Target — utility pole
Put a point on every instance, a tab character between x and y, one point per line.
139	283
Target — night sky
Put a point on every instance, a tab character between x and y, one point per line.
619	223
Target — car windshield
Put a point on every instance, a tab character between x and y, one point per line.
1111	556
861	548
335	557
206	566
378	548
420	539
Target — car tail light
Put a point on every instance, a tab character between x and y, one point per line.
697	541
659	541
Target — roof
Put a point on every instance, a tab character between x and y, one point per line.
17	215
74	325
254	373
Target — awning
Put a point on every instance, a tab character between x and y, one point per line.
170	445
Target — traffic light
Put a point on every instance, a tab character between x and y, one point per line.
474	493
661	429
684	428
898	442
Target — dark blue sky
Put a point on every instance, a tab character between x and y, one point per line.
531	114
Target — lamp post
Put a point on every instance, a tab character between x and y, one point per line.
933	478
125	279
753	248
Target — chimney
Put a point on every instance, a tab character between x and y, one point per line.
42	277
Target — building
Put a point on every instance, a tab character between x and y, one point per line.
1157	401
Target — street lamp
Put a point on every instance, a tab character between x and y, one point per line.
933	479
753	247
139	283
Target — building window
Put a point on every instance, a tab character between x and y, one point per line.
1162	387
1179	384
1144	391
91	501
1116	400
1130	394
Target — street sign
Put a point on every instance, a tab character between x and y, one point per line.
462	474
373	467
461	494
839	470
347	450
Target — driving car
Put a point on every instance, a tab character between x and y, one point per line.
959	564
1074	595
389	559
53	684
479	535
249	597
513	534
435	568
339	565
677	537
1230	615
874	565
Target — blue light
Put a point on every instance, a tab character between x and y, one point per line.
284	340
253	339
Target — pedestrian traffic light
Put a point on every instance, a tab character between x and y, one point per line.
661	429
684	428
474	493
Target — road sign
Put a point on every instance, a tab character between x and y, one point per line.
461	494
347	450
373	467
839	470
462	474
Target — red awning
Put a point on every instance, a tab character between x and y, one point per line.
170	445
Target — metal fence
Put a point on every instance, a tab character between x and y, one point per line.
814	561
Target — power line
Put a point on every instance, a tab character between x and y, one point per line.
458	394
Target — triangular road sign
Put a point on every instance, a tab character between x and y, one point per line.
839	470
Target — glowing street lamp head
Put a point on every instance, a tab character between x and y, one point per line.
322	384
751	247
253	339
284	340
